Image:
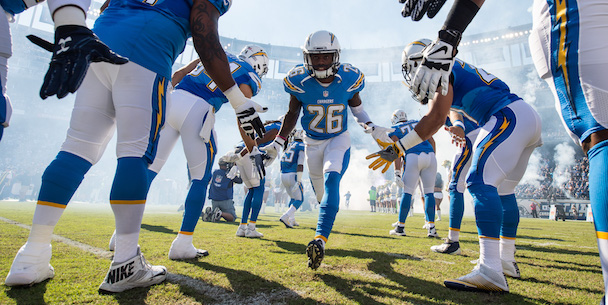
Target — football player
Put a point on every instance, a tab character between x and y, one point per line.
193	104
509	134
418	163
464	132
131	99
324	88
292	170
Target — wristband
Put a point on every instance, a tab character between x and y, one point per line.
235	96
410	140
69	15
299	176
280	140
398	172
461	14
458	123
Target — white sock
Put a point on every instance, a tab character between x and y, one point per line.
128	223
184	238
507	249
322	242
291	212
47	215
251	226
126	247
453	235
40	234
489	253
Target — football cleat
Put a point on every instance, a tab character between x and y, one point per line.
426	225
30	266
135	272
185	250
294	222
509	268
286	221
216	215
395	224
398	231
432	232
240	232
315	253
482	278
448	247
207	215
252	233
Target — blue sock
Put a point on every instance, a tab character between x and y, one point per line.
404	207
598	187
256	202
488	210
510	216
429	207
247	206
62	178
194	204
456	209
130	182
1	131
329	205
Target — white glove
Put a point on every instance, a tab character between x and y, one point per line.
205	132
234	171
272	150
257	159
436	66
246	112
399	179
230	157
417	8
379	133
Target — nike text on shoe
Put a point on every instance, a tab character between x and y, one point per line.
285	220
400	231
448	247
315	253
509	268
185	250
135	272
30	267
482	278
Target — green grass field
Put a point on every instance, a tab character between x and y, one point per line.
363	264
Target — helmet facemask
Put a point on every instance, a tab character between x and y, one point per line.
321	42
256	57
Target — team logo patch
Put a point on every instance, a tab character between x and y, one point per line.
218	179
325	93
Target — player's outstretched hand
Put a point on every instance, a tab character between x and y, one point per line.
247	114
272	150
258	162
417	8
74	49
380	134
437	60
384	157
458	136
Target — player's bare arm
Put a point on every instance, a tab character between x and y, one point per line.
291	117
183	71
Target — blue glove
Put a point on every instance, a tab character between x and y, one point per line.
75	48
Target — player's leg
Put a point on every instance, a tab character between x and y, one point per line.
5	103
91	127
140	105
251	182
427	164
200	156
256	206
293	189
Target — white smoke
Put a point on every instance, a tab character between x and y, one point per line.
564	159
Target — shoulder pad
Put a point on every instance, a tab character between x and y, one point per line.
354	78
292	81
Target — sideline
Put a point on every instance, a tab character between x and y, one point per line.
220	295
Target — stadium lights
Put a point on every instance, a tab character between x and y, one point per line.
495	38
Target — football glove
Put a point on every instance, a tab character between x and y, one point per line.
230	157
74	49
385	157
399	179
258	162
272	150
417	8
247	114
233	172
437	60
379	133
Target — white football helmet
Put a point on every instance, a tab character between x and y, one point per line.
255	56
398	117
408	65
321	42
297	135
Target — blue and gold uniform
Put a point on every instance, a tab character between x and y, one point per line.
289	160
404	128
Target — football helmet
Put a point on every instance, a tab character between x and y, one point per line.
398	117
409	65
321	42
255	56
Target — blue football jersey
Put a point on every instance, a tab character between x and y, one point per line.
468	124
14	7
477	93
268	127
404	128
324	108
289	160
151	33
199	83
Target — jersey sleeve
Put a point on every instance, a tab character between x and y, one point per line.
353	78
291	82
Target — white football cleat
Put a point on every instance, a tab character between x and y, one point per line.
509	268
294	222
426	225
185	250
135	272
395	224
30	266
482	278
315	252
400	231
448	247
252	233
432	232
240	232
286	221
